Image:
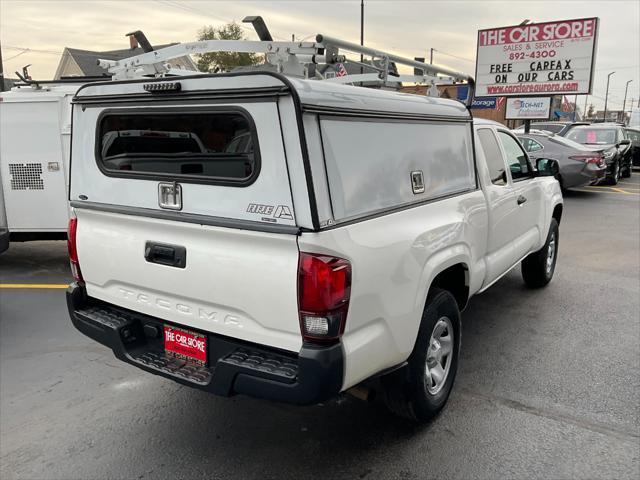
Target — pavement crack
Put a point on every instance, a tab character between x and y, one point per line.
621	433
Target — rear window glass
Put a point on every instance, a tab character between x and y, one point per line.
593	136
566	142
199	146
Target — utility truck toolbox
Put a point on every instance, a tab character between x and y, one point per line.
291	238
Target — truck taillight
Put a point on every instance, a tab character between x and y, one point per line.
324	288
73	250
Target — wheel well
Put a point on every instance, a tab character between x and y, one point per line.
455	279
557	213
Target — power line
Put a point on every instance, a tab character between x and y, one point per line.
11	47
454	56
190	9
16	55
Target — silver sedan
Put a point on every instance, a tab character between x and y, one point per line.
579	165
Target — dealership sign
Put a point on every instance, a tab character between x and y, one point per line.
537	59
528	108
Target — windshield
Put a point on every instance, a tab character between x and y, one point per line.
593	136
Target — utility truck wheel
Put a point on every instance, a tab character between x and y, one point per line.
538	267
420	390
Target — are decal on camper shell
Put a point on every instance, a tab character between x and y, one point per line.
270	212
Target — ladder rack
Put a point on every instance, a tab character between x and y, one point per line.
298	59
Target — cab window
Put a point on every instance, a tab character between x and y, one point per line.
516	158
633	136
493	156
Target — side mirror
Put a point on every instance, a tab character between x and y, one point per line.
626	141
547	167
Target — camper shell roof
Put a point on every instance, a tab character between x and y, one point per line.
314	95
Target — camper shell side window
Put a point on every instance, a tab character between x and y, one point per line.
373	165
208	145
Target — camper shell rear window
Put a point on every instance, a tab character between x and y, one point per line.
201	146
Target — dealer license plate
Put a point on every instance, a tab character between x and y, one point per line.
186	345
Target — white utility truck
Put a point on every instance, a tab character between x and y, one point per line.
317	237
35	131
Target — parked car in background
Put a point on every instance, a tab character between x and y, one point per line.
610	138
559	128
579	165
634	138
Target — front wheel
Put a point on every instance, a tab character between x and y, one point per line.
420	390
627	171
615	174
538	267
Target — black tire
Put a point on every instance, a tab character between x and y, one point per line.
615	175
536	269
407	391
626	173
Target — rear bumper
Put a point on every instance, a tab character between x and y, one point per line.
234	367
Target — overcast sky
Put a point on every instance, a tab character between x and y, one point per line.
408	28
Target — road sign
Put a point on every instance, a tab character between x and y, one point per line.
537	59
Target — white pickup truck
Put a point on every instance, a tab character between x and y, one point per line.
326	237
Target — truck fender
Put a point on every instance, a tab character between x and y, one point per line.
556	200
436	264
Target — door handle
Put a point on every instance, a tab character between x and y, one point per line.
162	254
521	199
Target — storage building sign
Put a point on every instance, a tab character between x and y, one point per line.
537	59
528	108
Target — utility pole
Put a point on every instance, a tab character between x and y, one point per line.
624	104
575	107
606	97
584	115
361	33
1	72
431	57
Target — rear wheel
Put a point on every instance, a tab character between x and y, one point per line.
538	267
420	390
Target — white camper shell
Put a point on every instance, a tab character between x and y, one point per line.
321	236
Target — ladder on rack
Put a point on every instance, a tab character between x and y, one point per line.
298	59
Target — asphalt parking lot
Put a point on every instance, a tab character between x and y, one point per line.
548	386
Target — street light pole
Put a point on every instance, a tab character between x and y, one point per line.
606	97
361	33
624	104
584	116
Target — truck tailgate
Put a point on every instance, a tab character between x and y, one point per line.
237	283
